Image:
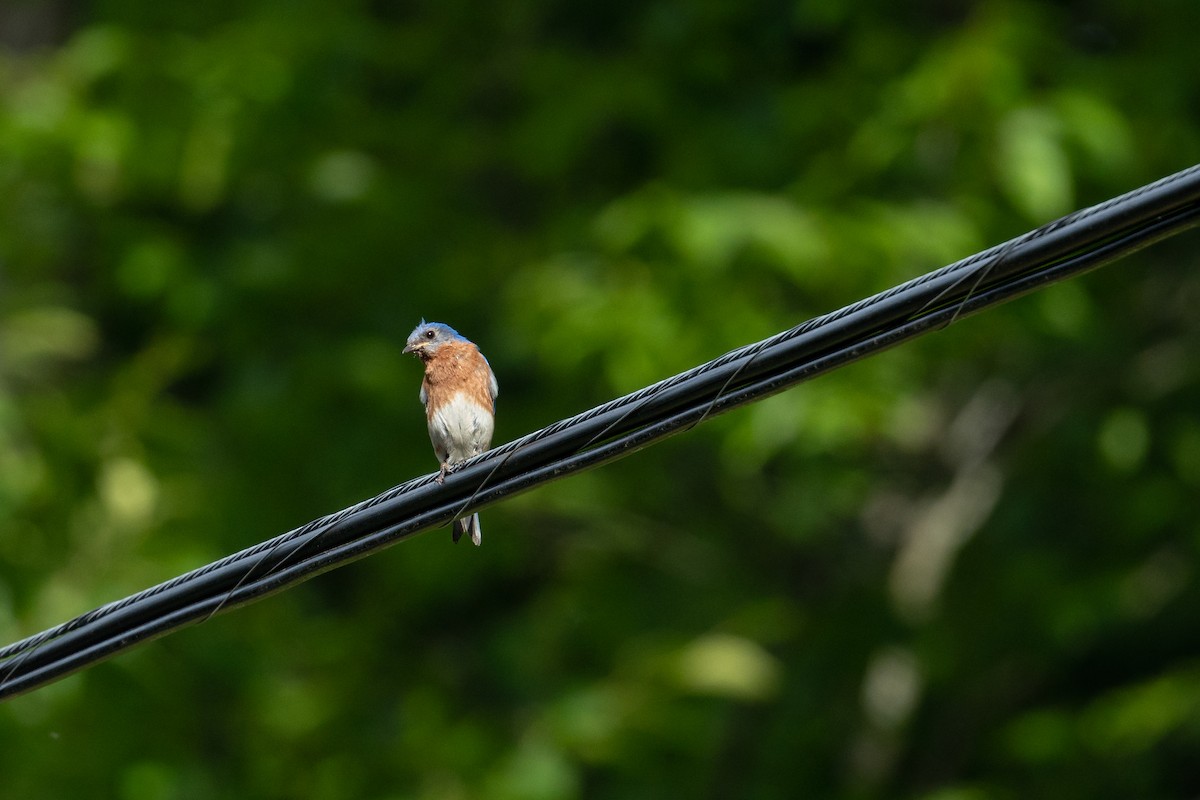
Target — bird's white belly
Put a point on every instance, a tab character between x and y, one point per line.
461	428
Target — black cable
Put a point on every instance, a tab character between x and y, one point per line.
1081	241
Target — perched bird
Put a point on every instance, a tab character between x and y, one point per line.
459	394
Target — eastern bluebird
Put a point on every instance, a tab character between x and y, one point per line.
459	394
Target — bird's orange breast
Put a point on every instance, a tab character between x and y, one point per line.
457	368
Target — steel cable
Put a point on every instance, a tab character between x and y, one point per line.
1078	242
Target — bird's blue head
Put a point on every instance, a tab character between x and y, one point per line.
427	337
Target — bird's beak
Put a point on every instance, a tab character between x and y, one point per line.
413	348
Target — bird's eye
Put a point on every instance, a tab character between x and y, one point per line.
429	334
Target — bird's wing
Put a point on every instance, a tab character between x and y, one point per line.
494	386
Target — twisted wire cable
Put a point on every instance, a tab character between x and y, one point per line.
1078	242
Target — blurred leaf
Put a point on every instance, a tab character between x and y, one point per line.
728	666
1140	717
33	338
1033	169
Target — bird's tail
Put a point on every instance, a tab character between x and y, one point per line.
468	525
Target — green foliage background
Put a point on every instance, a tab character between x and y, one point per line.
964	569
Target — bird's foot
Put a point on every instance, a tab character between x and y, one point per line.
447	468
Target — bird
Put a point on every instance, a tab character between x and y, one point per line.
459	394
